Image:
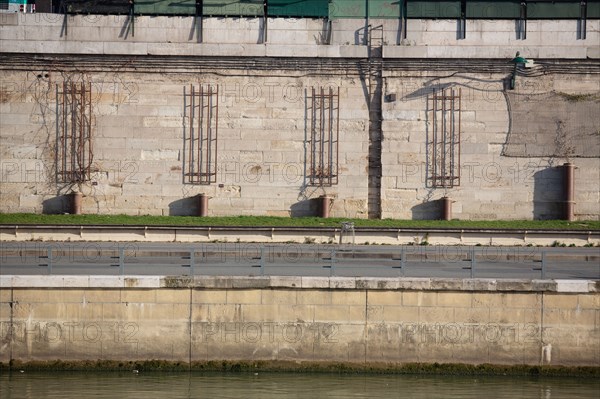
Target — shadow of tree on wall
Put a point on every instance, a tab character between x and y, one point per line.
307	207
57	205
548	193
428	210
189	206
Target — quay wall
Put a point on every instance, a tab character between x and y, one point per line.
356	321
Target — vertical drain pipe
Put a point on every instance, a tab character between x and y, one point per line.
569	190
202	205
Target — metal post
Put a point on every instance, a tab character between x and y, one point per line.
473	262
192	261
122	260
332	267
262	261
49	260
402	260
543	265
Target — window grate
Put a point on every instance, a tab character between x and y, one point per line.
443	144
202	116
322	144
74	132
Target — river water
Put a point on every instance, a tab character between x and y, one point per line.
46	385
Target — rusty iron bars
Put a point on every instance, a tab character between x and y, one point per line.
202	110
444	139
74	151
324	126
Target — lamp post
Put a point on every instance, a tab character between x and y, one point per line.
516	61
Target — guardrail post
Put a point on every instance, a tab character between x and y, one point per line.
543	265
332	267
50	260
473	262
192	261
402	260
122	260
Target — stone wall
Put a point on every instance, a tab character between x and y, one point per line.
492	186
97	34
138	146
139	120
308	319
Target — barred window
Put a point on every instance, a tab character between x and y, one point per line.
322	139
201	134
74	132
443	139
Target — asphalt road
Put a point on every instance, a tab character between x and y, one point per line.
229	259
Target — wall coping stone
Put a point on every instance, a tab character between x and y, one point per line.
296	282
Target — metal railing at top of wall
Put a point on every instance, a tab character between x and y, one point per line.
299	259
336	9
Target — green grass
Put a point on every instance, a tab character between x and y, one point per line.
36	219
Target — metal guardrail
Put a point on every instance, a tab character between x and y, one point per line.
332	260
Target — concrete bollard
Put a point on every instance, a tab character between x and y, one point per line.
202	205
76	197
324	204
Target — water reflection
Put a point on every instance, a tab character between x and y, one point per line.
36	385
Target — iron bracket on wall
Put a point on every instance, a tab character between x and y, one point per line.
582	22
265	21
462	21
198	19
522	22
132	16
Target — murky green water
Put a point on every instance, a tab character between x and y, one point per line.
38	385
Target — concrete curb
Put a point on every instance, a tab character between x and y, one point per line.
293	282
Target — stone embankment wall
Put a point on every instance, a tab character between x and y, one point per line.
300	319
140	119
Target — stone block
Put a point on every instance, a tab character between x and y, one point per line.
572	286
513	285
512	315
400	314
280	296
285	282
414	283
391	298
342	282
419	298
106	282
313	297
230	313
209	296
138	295
348	298
102	295
589	301
249	282
261	314
315	282
479	284
454	299
446	284
375	283
472	315
560	301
